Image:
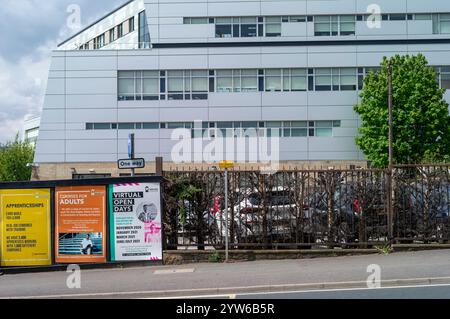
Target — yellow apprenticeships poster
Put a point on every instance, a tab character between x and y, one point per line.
25	227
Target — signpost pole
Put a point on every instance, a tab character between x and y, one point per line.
391	156
131	151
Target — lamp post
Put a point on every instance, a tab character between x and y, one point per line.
391	156
391	160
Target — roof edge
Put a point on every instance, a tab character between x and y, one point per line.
95	22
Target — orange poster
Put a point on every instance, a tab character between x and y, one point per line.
80	220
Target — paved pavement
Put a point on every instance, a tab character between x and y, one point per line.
404	292
245	277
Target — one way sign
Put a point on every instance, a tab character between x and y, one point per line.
131	163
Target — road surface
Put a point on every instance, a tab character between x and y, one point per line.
272	278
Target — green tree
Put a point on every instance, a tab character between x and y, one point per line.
421	120
14	157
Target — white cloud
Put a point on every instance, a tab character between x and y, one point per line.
23	84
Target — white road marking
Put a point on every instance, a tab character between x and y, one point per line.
173	271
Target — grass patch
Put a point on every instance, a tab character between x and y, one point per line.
214	257
385	250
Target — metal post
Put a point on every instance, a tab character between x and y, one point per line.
159	166
391	155
226	214
131	150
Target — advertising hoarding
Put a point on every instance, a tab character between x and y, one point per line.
25	227
80	221
135	222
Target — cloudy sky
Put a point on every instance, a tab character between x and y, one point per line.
31	29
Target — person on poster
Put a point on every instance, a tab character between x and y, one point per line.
149	213
86	245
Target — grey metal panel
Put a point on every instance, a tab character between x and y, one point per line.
284	113
235	99
183	114
329	144
90	115
91	158
91	85
87	101
138	115
284	98
104	146
235	113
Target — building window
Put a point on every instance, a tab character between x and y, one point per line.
397	17
119	31
297	79
175	85
285	80
195	20
102	126
273	26
324	129
101	40
224	28
127	126
188	84
224	81
295	129
334	25
112	35
347	25
441	23
199	84
237	80
325	25
348	79
131	24
335	79
150	84
248	27
422	17
150	126
294	19
249	80
144	34
237	27
126	85
443	76
274	80
233	129
323	79
196	84
228	27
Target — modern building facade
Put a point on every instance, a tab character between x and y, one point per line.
30	130
296	66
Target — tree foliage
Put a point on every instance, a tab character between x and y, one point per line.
14	157
421	120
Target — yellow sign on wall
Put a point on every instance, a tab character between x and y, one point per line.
25	227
